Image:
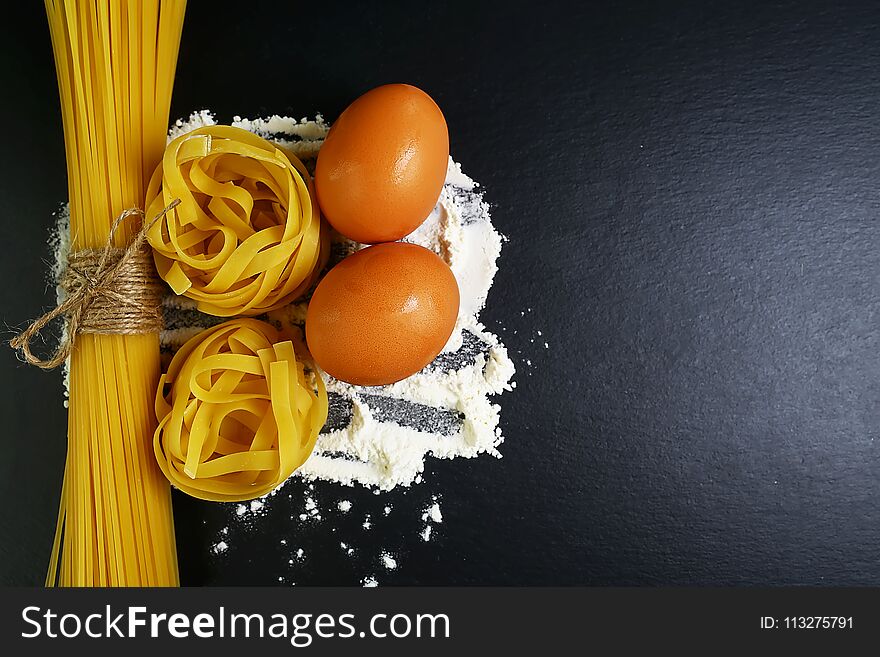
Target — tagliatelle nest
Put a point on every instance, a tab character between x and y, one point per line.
247	236
237	414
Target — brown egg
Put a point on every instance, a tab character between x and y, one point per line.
382	314
383	164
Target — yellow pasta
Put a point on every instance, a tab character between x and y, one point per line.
115	62
237	414
247	236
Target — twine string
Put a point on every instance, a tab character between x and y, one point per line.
109	290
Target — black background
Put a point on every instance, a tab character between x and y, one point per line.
690	193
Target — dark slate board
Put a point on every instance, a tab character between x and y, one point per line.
690	193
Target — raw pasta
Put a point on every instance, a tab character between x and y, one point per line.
237	413
115	62
247	236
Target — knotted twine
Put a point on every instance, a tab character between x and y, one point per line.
109	291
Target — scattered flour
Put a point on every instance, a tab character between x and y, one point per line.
369	582
432	513
425	513
312	510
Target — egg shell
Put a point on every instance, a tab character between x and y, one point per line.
382	314
382	167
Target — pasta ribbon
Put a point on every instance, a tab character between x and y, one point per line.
237	414
247	236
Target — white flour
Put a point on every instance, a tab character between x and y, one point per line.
354	544
389	561
432	513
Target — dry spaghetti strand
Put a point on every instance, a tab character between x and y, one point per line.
115	62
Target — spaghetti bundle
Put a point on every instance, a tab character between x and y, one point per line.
115	62
239	415
247	236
